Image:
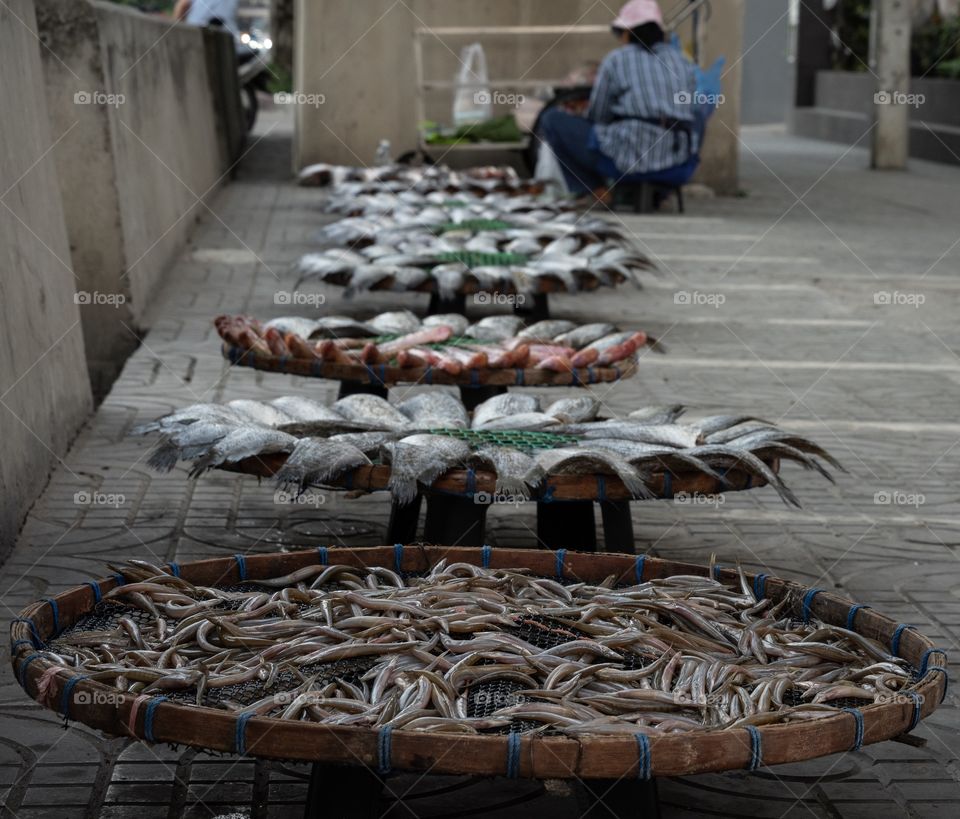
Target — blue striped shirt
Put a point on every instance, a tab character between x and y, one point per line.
635	86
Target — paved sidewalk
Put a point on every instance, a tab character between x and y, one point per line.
803	263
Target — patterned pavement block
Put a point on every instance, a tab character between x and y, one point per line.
802	337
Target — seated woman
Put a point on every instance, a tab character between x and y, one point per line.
641	123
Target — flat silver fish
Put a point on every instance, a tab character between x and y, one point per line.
369	443
547	330
454	321
516	471
657	415
243	442
316	461
297	325
509	403
213	413
435	409
574	410
585	335
495	328
371	409
589	461
396	322
259	412
667	434
422	459
186	443
521	420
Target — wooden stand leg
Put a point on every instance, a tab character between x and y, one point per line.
454	521
617	527
439	305
472	397
567	525
619	799
403	521
355	387
534	308
343	792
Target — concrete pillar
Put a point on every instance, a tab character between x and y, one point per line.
890	39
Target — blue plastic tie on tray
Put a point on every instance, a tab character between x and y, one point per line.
807	601
858	727
241	566
384	749
749	483
240	738
852	614
895	641
917	705
428	375
925	659
643	757
174	569
485	554
323	555
716	572
67	693
760	586
283	362
56	613
471	482
547	495
667	484
24	665
638	567
592	376
474	377
17	643
601	488
577	381
34	631
398	557
97	594
519	378
513	755
121	580
561	556
756	748
148	715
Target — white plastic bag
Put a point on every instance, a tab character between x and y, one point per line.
472	100
548	169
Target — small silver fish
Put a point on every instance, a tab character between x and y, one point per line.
585	335
586	461
397	322
547	330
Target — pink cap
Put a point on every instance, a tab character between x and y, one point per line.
637	13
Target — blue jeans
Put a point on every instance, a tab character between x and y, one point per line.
585	167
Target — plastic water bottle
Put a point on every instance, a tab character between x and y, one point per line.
383	156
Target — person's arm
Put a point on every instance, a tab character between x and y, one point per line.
601	98
181	8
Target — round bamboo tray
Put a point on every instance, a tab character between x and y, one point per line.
555	488
383	375
521	755
545	286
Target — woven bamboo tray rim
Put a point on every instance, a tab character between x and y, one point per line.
383	375
555	488
541	757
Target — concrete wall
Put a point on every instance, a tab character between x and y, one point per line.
359	56
44	389
133	97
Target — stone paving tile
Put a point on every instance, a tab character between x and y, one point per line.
799	340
